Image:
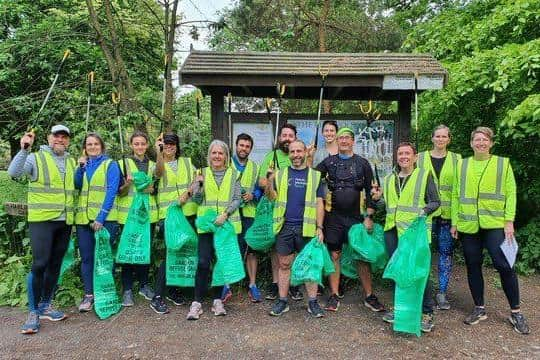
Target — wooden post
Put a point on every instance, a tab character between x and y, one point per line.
217	113
404	117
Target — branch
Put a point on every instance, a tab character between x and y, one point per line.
160	22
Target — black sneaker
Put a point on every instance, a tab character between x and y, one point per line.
332	304
295	293
176	297
279	307
158	305
341	291
520	324
478	314
314	309
373	303
272	292
427	323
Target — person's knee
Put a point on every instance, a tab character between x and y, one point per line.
336	255
204	263
502	266
284	264
39	265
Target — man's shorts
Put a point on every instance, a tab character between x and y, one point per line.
336	229
290	240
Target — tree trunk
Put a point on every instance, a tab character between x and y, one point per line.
170	25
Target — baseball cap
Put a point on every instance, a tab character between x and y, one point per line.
60	128
345	130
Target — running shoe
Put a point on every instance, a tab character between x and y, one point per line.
442	302
46	311
279	308
478	314
315	309
373	303
295	293
176	297
427	323
333	303
388	317
218	309
254	294
127	298
195	311
147	292
272	292
87	303
31	326
226	293
520	324
158	305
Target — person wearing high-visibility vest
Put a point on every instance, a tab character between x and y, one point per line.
50	218
98	179
298	217
176	174
220	191
442	164
138	161
251	193
274	160
483	212
409	193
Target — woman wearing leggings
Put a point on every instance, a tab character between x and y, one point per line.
483	212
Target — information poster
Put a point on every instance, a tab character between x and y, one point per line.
263	137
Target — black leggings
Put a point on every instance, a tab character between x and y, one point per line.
391	241
49	241
473	245
202	278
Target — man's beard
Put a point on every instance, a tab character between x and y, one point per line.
284	146
241	157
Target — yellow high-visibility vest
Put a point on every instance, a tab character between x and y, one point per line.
173	184
248	181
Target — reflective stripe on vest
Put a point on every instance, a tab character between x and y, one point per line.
92	196
310	211
173	184
51	194
123	203
219	197
248	181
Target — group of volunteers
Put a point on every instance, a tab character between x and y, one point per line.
316	193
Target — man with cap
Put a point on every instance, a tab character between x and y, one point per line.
50	171
347	176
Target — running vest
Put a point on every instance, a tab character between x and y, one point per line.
444	181
219	197
173	184
92	196
123	203
310	211
481	205
50	195
248	181
402	210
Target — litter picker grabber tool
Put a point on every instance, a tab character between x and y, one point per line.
280	89
229	106
90	77
323	74
267	104
116	102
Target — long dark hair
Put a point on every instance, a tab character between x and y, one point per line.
96	136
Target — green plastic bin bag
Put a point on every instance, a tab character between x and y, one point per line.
68	260
311	264
134	246
178	230
229	267
409	267
106	302
260	235
369	246
348	262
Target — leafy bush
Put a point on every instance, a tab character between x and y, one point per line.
528	239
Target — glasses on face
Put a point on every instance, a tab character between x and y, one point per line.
345	137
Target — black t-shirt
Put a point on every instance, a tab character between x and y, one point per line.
346	179
437	164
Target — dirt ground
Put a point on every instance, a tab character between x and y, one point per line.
248	332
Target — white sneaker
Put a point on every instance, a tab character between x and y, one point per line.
195	311
218	309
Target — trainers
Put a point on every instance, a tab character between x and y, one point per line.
158	305
295	293
478	314
442	302
315	309
87	303
218	309
520	324
388	317
226	293
176	297
332	304
427	323
373	303
31	326
279	307
341	291
195	311
147	292
46	311
127	298
254	294
272	292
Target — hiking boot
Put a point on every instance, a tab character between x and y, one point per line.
31	326
46	311
254	294
520	324
127	298
195	311
315	309
279	308
442	302
226	294
478	314
272	292
87	303
388	317
427	323
218	309
176	297
147	292
295	293
158	305
332	304
373	303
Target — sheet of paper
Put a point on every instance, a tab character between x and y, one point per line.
509	248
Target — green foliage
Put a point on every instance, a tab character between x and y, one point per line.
11	190
528	239
13	284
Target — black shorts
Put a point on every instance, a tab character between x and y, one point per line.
336	229
290	240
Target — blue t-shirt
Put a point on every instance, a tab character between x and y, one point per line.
296	196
